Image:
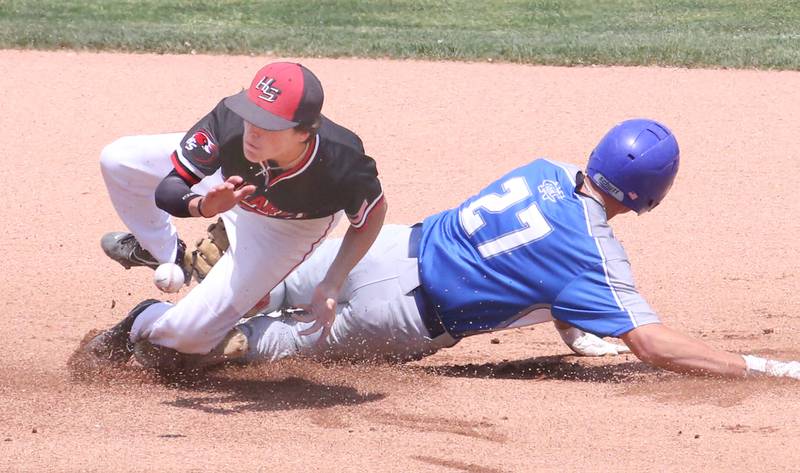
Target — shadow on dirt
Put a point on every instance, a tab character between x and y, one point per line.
224	394
549	367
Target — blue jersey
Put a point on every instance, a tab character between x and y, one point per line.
526	244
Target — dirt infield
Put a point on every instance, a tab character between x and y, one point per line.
718	259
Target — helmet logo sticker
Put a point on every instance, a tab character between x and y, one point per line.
608	187
633	195
550	190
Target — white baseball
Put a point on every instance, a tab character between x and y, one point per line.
169	277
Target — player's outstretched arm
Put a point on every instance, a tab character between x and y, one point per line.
661	346
355	245
174	196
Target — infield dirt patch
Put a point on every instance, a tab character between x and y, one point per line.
717	259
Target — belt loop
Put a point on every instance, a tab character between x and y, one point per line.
414	239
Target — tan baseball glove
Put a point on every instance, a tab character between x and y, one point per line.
208	250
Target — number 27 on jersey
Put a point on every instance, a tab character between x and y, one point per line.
530	225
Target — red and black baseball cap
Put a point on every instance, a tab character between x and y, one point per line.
281	96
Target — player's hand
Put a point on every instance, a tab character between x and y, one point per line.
587	344
225	196
322	311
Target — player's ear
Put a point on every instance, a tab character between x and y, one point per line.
308	130
303	136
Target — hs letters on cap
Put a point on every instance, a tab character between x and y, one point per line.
269	93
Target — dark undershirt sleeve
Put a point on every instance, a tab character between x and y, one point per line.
173	195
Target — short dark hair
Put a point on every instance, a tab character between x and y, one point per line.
311	128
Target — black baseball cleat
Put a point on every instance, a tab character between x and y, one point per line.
112	346
123	248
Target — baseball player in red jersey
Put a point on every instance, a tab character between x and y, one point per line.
278	173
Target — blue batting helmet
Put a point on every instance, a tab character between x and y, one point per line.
636	163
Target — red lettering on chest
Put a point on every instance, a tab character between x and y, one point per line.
261	205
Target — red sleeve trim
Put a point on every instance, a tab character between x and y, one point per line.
365	213
185	173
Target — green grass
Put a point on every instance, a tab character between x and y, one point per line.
694	33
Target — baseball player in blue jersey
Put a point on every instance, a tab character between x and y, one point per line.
533	246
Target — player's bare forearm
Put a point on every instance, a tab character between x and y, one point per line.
355	244
661	346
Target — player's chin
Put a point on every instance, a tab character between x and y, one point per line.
254	155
